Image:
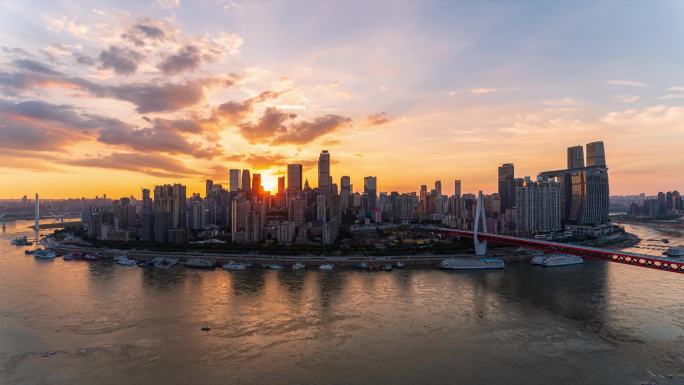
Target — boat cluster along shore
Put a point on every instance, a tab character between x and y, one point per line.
371	264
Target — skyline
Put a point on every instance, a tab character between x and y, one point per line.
412	94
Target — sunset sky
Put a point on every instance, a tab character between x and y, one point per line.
110	97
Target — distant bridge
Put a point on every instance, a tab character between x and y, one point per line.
634	259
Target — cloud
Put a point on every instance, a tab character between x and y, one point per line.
187	58
235	112
271	123
627	98
150	164
627	83
37	125
482	91
671	96
34	66
156	97
307	131
267	160
653	116
675	89
123	61
562	102
168	4
378	119
144	32
163	136
84	59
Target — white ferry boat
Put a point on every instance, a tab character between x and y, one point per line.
675	252
199	262
124	261
326	266
550	260
232	265
45	254
298	266
472	263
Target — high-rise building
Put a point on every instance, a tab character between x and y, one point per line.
294	178
246	182
234	180
537	207
256	184
146	201
345	183
324	180
575	157
457	188
596	155
370	188
584	190
170	199
281	185
209	186
438	187
507	186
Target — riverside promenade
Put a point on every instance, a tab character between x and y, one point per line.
286	260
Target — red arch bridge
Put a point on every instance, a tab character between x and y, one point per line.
634	259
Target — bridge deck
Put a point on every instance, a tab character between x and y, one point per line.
635	259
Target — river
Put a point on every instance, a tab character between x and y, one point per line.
74	322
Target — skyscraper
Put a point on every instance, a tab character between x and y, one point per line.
345	183
246	182
457	188
146	201
438	187
170	199
507	186
209	185
324	173
370	187
234	180
294	178
281	184
585	190
575	157
596	155
256	184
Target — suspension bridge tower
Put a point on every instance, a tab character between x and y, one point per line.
480	221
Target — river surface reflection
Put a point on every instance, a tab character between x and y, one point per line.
67	322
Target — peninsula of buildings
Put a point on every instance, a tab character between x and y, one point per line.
569	204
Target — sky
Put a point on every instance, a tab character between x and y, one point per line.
108	97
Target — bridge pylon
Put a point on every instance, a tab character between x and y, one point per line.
480	220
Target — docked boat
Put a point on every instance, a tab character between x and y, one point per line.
70	257
298	266
275	266
399	265
561	260
29	252
199	262
232	265
20	241
326	266
45	254
472	263
124	261
387	267
675	252
538	259
362	266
